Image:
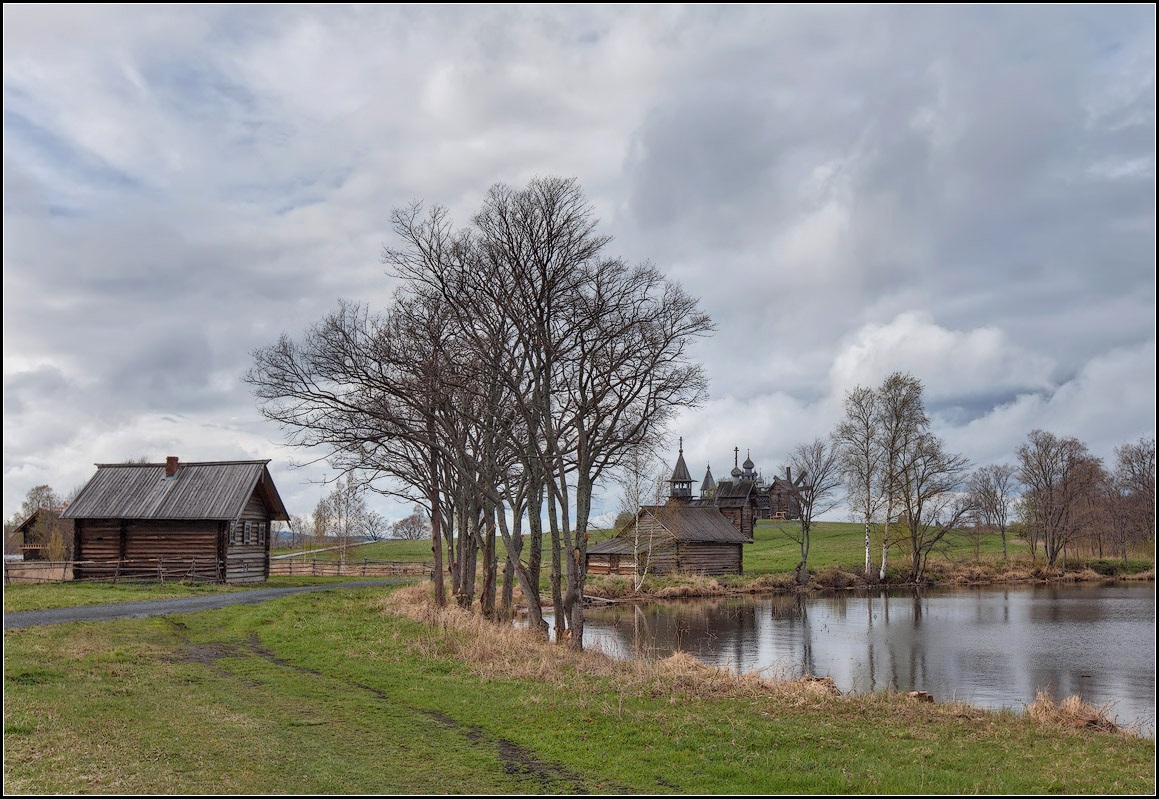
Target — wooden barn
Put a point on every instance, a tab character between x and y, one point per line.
201	521
678	536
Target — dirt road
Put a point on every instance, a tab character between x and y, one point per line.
165	607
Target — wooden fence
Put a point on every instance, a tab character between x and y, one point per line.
185	570
145	570
332	568
36	571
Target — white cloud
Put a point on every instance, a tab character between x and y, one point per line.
951	364
965	195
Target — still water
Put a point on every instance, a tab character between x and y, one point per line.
990	647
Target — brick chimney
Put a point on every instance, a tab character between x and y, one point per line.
171	466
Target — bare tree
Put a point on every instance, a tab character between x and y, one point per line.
411	528
301	526
348	512
591	354
375	527
1135	477
926	483
861	460
366	390
1056	473
819	465
992	489
1116	506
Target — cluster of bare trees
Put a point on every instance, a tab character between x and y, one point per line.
344	516
516	366
1072	503
898	473
903	485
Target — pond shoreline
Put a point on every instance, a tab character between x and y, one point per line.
691	586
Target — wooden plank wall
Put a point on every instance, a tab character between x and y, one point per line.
250	563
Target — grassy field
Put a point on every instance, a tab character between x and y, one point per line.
837	547
341	692
834	544
399	551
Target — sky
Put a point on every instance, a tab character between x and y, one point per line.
963	193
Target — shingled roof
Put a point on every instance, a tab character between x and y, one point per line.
683	523
206	490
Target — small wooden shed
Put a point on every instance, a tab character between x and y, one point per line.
32	547
672	537
204	521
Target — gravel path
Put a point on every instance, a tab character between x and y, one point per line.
165	607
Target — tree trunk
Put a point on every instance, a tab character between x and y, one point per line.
437	547
490	567
868	561
556	569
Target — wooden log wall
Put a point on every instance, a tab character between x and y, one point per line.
710	559
138	549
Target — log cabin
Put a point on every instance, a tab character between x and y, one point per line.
205	521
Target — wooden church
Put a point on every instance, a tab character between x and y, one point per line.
685	534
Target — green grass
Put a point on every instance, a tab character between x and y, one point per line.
393	550
327	693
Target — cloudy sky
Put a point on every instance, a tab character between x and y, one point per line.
963	193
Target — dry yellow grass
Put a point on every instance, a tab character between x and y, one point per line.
1071	712
500	651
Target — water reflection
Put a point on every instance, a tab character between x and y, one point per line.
991	647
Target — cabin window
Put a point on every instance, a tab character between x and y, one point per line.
249	528
261	533
232	533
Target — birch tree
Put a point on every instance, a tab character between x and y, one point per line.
900	423
641	481
861	460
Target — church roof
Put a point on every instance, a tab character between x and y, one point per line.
709	484
680	474
683	523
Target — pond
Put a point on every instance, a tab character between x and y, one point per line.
991	647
